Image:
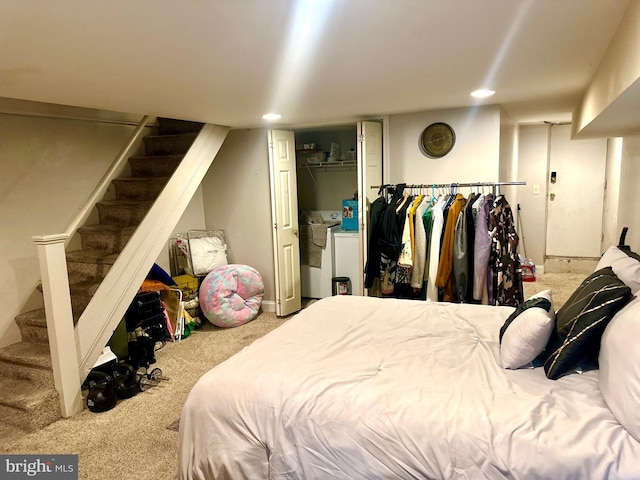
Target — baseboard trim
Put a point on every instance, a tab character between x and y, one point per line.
268	306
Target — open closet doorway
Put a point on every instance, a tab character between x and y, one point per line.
334	166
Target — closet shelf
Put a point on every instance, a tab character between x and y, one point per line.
333	164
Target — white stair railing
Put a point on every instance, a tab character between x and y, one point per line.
55	288
75	351
114	295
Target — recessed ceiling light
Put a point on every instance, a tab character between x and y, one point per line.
272	116
482	93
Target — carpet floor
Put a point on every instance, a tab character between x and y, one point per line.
137	439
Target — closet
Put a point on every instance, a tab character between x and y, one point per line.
326	170
436	243
299	185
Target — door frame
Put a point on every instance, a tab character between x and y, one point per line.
363	194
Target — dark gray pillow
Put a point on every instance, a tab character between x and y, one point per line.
575	342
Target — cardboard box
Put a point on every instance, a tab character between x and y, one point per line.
350	215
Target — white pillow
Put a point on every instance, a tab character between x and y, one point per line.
526	332
625	266
207	253
619	361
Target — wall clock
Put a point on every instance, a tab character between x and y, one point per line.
437	140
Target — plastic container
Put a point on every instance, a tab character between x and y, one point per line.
341	286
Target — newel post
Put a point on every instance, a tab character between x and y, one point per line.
57	305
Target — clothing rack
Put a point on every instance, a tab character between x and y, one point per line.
494	185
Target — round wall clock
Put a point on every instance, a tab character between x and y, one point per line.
437	140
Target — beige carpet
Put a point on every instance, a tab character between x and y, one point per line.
133	441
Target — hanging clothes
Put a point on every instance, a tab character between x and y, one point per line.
392	224
462	270
437	216
504	261
482	250
444	278
420	254
372	267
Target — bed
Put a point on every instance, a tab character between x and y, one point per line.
367	388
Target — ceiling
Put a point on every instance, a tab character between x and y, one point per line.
313	61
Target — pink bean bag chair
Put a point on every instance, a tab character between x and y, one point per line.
231	295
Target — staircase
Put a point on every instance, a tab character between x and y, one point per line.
28	398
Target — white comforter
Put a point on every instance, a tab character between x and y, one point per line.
364	388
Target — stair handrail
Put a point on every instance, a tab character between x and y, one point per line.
56	292
115	293
105	182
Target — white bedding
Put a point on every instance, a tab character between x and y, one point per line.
365	388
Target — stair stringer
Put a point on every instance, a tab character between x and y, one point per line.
114	295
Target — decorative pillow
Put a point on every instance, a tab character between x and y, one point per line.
207	253
575	343
526	332
620	367
625	264
231	295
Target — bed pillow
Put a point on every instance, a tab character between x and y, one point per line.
625	264
620	367
526	332
575	342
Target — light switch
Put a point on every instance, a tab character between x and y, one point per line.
536	189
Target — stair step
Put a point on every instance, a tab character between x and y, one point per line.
154	166
168	144
30	406
89	264
171	126
10	433
81	294
139	189
111	238
122	212
27	361
33	326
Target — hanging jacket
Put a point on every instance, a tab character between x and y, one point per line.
481	251
504	260
444	278
372	267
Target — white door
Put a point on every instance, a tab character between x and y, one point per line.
369	174
284	215
576	194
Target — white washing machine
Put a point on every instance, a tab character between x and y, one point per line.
346	252
315	282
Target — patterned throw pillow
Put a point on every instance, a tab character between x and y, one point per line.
526	331
575	342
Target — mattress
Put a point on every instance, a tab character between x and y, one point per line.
366	388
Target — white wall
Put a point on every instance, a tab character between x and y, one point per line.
474	158
237	199
628	212
610	227
49	168
508	169
533	145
